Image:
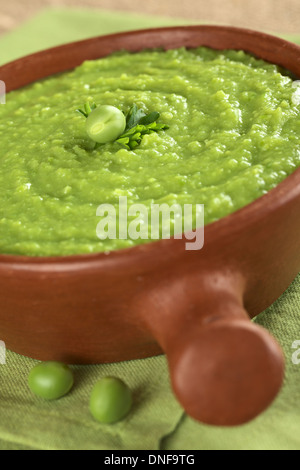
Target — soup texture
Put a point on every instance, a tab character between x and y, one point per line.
233	134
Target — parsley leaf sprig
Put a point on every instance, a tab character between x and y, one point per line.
139	124
88	108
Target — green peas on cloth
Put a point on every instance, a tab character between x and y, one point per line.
50	380
110	401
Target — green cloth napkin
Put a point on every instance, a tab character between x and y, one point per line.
66	424
156	421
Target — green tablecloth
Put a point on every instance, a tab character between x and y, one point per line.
156	421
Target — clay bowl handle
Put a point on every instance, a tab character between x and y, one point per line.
224	369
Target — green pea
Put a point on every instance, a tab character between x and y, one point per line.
111	400
105	124
50	380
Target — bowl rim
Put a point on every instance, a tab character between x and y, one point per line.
236	222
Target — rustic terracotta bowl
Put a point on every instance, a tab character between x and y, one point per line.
193	305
